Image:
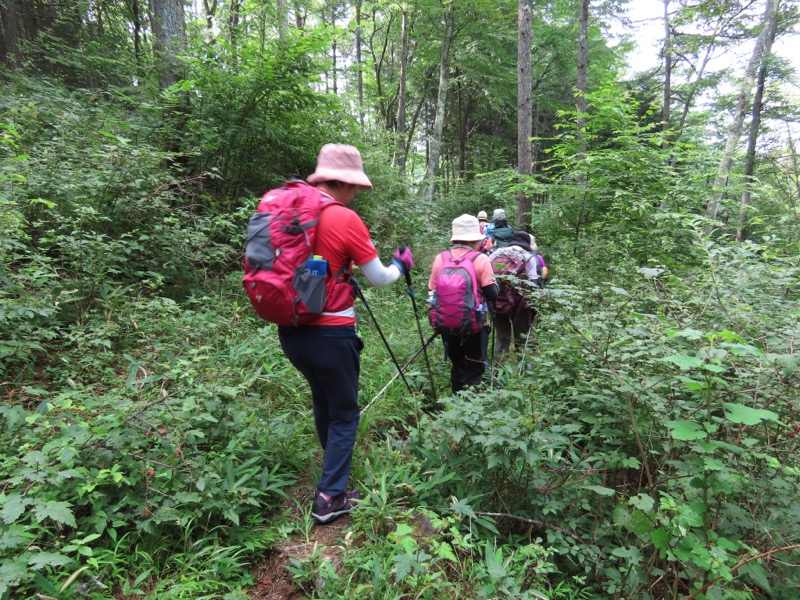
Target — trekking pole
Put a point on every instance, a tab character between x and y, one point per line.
396	375
419	328
525	348
357	288
491	362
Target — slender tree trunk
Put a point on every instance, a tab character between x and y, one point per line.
9	13
169	32
524	107
401	95
359	66
755	124
137	36
233	29
211	11
768	22
283	18
435	143
333	51
665	112
580	102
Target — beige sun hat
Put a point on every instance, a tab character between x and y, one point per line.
482	216
466	228
340	162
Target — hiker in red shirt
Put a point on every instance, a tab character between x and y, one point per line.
327	351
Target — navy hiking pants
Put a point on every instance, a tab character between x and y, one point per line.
330	360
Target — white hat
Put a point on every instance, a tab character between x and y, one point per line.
466	228
499	214
482	216
340	162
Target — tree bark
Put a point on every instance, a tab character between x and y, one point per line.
401	96
282	18
767	24
524	108
137	36
359	66
435	142
169	31
9	14
755	124
580	84
665	111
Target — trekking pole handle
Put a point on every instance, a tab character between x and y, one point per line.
407	272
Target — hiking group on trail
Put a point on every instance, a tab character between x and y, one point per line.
301	246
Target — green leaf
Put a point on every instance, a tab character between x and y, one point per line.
686	430
643	502
683	361
660	537
757	574
13	507
57	511
445	551
603	491
53	559
689	334
738	413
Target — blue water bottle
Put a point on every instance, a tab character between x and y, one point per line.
317	265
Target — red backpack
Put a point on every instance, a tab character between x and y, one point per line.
457	306
509	301
281	237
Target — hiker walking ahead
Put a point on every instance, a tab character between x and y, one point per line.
462	281
512	312
500	231
327	351
483	219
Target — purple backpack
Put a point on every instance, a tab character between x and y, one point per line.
457	308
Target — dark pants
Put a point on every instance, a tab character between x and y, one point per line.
330	360
508	328
466	354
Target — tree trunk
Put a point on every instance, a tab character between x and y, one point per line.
9	14
665	111
401	95
580	102
169	32
524	108
755	124
768	23
435	143
282	18
360	71
137	36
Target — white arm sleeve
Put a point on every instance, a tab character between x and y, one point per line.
378	275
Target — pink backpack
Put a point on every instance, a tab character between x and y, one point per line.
280	242
457	306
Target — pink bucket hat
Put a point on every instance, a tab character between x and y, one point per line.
340	162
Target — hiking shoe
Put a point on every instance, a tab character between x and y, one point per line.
327	511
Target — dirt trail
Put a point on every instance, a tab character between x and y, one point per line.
273	580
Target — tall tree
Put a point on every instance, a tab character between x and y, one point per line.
667	102
755	125
9	14
401	94
767	24
583	60
168	28
435	140
524	107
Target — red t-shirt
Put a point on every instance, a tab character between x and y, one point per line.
342	235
